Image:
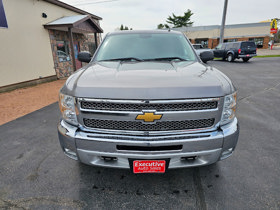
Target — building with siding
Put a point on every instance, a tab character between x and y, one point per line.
40	40
209	35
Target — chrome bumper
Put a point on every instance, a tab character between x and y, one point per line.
113	151
247	56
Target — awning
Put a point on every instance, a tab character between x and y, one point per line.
77	23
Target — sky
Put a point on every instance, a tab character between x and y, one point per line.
147	14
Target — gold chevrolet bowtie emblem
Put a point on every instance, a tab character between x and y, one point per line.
149	117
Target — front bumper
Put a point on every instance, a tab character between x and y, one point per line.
184	150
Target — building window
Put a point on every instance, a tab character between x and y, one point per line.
62	51
258	42
230	40
203	42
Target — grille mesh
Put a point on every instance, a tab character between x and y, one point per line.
92	105
158	126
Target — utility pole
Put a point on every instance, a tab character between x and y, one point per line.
276	35
223	22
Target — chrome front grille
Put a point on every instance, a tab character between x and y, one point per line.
122	116
133	107
158	126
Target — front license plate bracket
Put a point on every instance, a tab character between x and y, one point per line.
148	165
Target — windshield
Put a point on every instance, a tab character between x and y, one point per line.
145	46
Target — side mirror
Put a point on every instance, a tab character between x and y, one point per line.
84	56
206	56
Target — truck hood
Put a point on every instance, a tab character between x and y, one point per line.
147	80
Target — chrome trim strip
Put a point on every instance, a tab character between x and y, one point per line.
191	137
152	110
147	133
148	101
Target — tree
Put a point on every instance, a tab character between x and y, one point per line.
160	26
177	21
122	28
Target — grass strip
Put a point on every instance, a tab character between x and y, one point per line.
266	56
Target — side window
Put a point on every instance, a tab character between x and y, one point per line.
229	45
223	46
236	45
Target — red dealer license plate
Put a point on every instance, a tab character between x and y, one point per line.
149	166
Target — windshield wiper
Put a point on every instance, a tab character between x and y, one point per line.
167	59
122	59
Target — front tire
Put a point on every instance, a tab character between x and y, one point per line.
230	57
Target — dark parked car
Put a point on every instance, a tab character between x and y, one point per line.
235	50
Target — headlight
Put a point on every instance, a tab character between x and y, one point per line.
67	108
229	109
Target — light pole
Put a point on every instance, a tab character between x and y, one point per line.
223	22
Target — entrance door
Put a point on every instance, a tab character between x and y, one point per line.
76	51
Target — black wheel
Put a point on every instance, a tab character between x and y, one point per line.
230	57
245	59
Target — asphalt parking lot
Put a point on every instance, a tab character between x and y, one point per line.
35	174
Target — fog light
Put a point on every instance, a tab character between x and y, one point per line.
226	153
108	158
191	158
71	154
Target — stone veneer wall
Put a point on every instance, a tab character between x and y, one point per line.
84	40
65	68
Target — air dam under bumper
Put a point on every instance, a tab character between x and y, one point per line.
184	150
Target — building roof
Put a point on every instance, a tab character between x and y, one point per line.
231	31
74	9
68	20
211	27
79	24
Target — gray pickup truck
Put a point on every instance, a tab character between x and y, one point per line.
148	103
